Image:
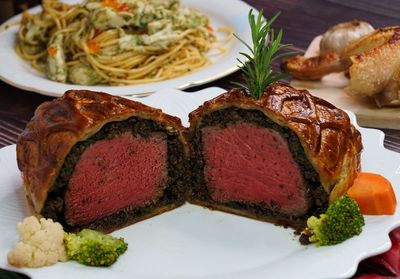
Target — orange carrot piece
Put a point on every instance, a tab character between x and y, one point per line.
109	3
373	193
52	51
93	46
124	8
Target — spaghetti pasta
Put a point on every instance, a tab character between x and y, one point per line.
116	42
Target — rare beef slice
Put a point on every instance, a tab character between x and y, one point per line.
91	160
281	158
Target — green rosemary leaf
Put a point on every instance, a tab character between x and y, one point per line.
256	67
243	42
242	64
245	55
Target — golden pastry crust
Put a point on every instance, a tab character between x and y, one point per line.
330	141
59	124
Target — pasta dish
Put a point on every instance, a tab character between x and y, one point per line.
116	42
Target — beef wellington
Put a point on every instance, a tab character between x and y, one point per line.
280	159
97	161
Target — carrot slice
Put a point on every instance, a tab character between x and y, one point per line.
93	46
52	51
373	193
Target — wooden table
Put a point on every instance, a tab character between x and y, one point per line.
301	20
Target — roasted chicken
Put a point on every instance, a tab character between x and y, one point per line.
372	61
331	58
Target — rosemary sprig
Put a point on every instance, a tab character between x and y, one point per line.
258	73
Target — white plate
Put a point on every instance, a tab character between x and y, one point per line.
193	242
229	13
331	88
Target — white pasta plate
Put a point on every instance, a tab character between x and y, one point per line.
226	13
193	242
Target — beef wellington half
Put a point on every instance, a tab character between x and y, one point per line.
280	159
97	161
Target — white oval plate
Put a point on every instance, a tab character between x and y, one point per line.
229	13
193	242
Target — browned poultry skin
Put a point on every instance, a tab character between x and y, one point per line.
375	63
314	68
372	62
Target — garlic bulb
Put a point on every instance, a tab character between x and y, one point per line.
336	38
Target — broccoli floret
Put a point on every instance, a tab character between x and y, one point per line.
341	221
94	248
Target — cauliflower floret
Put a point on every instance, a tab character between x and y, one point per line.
41	243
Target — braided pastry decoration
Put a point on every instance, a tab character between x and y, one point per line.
330	141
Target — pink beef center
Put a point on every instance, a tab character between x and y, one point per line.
114	174
251	164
